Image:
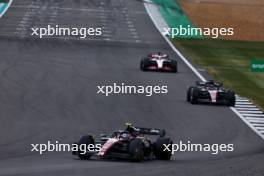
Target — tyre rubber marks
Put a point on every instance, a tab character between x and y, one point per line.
25	23
116	22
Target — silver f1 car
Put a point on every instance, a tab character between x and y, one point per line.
131	143
158	62
210	92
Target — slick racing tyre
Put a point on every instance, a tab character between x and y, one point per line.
194	92
142	65
174	67
188	94
230	98
160	152
88	139
136	149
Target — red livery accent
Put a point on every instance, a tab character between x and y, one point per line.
110	142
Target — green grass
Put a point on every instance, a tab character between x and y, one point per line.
228	61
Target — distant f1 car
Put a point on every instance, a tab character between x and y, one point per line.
210	92
158	62
131	144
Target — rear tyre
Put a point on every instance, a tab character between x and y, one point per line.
230	98
142	65
188	94
160	152
87	139
194	95
136	149
175	67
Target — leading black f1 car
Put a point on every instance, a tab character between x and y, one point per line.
210	92
131	143
158	62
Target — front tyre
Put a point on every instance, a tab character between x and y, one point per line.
142	65
230	98
85	141
160	150
136	150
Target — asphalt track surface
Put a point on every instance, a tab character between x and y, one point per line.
48	92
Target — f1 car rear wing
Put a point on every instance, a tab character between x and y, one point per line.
200	83
151	131
210	82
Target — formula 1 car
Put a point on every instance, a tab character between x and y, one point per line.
158	62
210	92
131	144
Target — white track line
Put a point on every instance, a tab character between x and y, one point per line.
247	109
157	19
8	5
242	100
253	115
243	103
245	106
251	112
